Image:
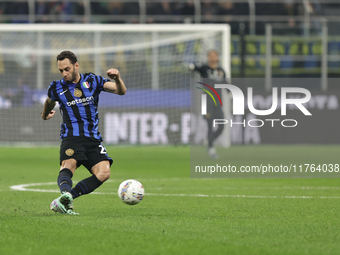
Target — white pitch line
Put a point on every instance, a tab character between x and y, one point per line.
155	179
225	196
281	188
24	187
234	196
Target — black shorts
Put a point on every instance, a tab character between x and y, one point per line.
86	151
214	112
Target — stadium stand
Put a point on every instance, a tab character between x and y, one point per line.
298	18
254	13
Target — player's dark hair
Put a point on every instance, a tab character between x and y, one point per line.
213	50
67	54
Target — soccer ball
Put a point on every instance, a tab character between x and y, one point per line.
131	192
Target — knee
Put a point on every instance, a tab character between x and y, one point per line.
104	174
102	170
70	164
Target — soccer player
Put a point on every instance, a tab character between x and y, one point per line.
214	74
78	95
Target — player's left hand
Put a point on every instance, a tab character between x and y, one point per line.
50	115
113	74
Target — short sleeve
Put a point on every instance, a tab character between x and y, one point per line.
202	69
198	67
224	75
50	92
101	81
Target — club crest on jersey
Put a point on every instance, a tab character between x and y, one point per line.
77	93
86	84
69	152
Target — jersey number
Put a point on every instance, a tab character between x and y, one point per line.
103	150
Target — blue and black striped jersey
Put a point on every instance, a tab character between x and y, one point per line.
78	105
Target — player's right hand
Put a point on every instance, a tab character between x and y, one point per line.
50	115
188	66
113	74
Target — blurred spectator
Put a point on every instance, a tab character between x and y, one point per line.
241	8
317	9
268	8
177	12
329	9
18	8
98	8
230	8
42	8
176	8
313	7
131	8
208	11
163	8
56	9
166	11
160	10
115	8
16	94
288	9
3	8
188	8
181	11
3	11
66	9
78	8
226	10
62	11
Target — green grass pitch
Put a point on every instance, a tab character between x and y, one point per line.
178	215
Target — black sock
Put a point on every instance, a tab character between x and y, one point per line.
65	180
86	186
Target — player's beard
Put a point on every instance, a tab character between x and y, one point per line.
74	75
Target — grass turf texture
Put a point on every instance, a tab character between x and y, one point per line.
268	223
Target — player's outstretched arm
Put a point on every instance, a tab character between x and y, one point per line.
48	109
117	87
193	67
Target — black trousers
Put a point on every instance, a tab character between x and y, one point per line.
213	113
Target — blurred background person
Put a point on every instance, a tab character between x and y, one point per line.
212	73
